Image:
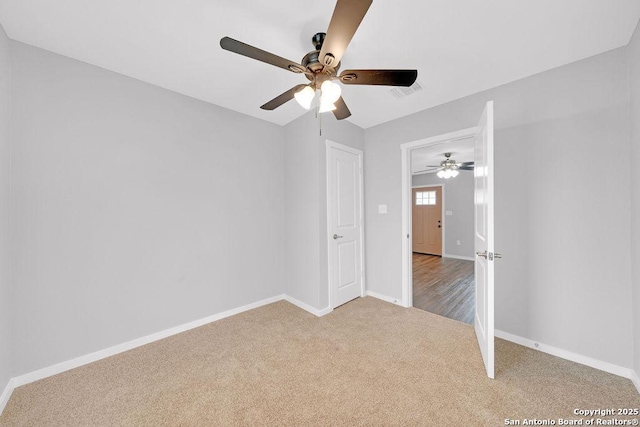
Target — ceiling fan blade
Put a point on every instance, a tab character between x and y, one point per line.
249	51
346	19
426	171
379	77
341	111
465	163
465	168
281	99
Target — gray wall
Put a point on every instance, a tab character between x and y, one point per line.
634	87
305	203
563	229
136	209
5	181
458	198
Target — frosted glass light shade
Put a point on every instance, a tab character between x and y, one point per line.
330	91
325	105
305	97
447	173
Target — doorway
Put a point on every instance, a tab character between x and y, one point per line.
483	211
443	275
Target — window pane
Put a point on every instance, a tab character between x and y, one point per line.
425	198
431	197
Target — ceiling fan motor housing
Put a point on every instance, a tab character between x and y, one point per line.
318	39
312	59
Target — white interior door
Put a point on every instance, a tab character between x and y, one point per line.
344	199
484	260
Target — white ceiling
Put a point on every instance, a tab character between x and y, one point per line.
459	47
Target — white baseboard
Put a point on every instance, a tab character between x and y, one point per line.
569	355
384	298
307	307
120	348
111	351
6	394
635	378
466	258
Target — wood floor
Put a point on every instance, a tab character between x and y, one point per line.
444	286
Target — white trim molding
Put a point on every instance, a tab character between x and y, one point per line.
129	345
6	394
635	379
466	258
120	348
571	356
307	307
385	298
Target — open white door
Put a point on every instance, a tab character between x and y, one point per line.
483	201
344	210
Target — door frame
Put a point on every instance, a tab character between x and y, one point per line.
336	145
444	219
407	202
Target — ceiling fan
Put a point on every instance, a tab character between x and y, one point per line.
321	65
448	168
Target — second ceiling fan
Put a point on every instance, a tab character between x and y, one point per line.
448	168
321	65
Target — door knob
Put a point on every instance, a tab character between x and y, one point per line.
336	237
490	256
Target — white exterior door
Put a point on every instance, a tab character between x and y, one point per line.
484	260
344	202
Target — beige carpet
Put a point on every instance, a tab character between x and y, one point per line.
367	363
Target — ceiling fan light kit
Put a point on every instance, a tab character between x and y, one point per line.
305	97
321	65
447	173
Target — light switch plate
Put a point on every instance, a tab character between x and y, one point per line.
448	213
382	209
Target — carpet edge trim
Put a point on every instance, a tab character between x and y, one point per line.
568	355
129	345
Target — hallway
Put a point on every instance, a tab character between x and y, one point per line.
444	286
